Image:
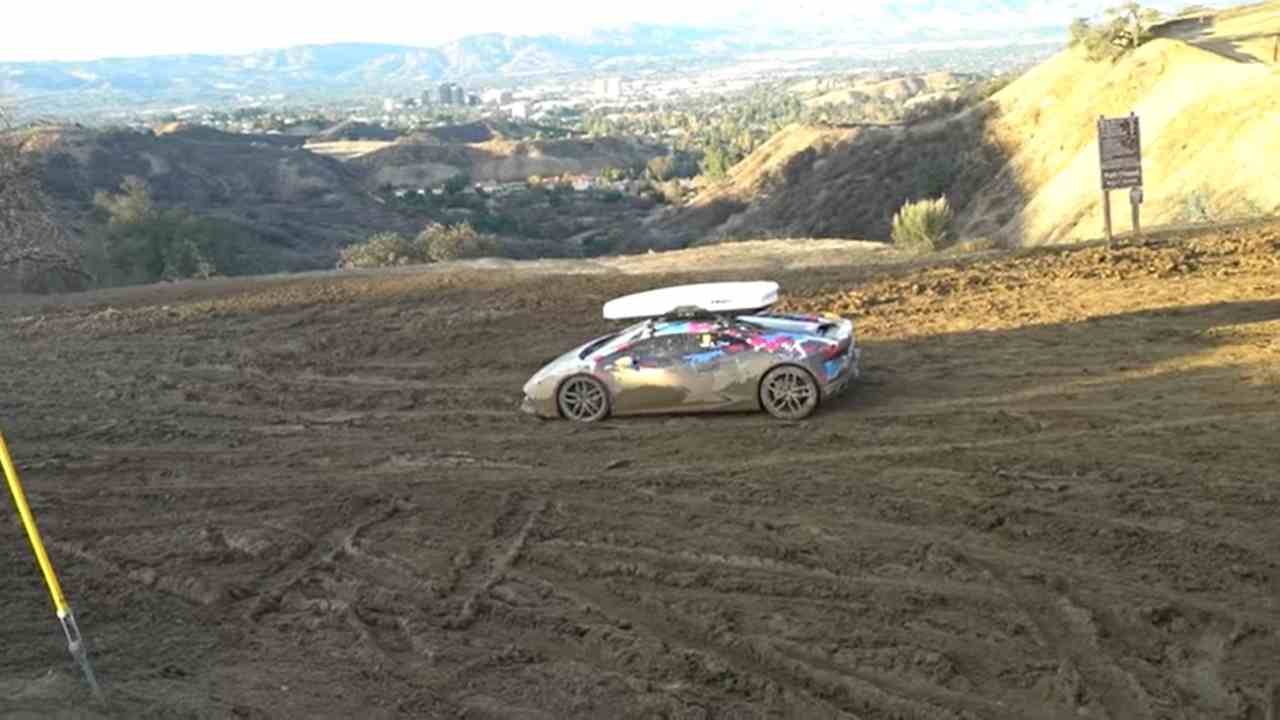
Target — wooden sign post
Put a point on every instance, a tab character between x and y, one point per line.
1120	159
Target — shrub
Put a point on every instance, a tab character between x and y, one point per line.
671	192
444	242
385	249
1198	207
922	226
662	168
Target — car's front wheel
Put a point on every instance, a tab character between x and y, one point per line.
583	398
789	393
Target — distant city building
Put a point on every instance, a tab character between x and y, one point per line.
608	87
497	97
473	99
519	110
450	94
388	105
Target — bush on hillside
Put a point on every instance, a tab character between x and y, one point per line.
922	226
141	243
436	243
384	249
1201	206
1124	29
456	242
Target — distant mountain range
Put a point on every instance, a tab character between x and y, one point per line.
317	70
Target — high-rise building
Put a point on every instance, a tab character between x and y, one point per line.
450	94
607	87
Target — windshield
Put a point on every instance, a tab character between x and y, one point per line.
596	344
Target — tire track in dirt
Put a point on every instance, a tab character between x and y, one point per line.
740	562
980	548
498	566
1071	632
846	694
318	554
862	453
192	588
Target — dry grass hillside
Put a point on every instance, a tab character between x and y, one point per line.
1208	112
1022	167
898	88
423	162
291	197
840	182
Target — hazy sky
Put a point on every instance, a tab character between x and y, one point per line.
84	29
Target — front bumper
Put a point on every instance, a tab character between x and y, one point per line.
528	406
542	409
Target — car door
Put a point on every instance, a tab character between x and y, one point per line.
729	370
653	374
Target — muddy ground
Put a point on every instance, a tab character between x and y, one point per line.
1053	495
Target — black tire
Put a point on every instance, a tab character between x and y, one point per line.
789	392
583	398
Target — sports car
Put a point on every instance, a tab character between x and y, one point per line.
700	348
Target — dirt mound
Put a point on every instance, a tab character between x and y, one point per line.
1051	495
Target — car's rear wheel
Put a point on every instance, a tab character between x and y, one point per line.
789	393
583	398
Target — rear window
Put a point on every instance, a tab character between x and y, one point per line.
596	344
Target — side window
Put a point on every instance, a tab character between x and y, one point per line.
663	350
733	340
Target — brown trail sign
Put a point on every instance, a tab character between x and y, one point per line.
1120	160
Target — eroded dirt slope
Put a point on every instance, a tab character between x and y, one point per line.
1053	496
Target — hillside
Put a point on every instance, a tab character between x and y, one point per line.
898	88
1022	166
301	202
431	158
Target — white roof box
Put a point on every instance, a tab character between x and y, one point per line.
721	297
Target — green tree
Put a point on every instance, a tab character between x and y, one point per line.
131	205
715	162
1126	27
141	243
1130	24
457	183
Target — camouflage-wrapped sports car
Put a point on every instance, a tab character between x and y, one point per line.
696	358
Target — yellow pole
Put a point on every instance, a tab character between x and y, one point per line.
33	533
68	619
